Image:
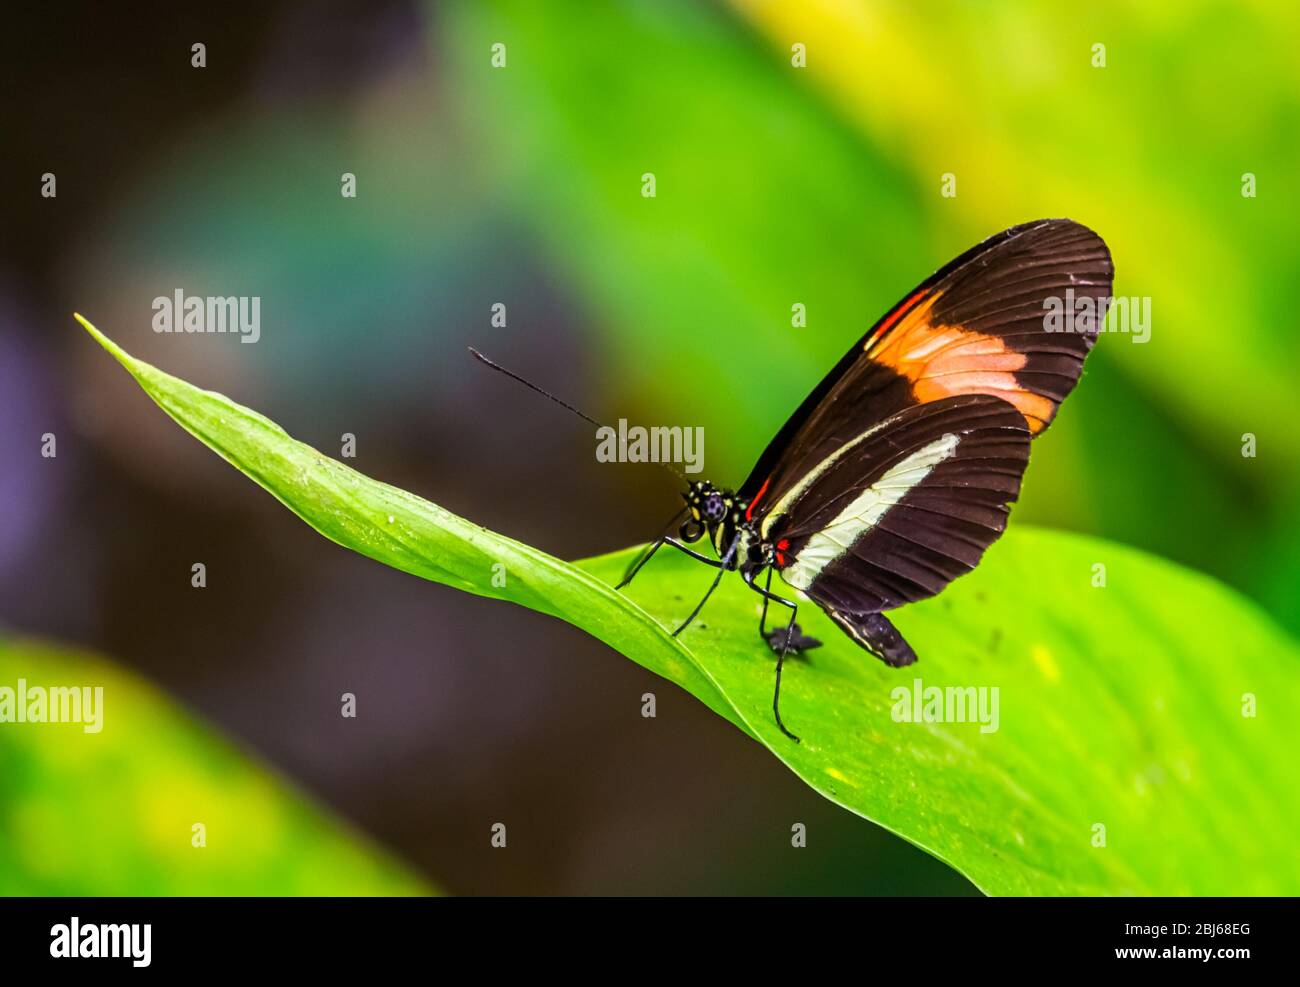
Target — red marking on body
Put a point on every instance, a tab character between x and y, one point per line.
749	511
781	546
897	314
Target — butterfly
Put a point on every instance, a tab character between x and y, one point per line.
897	472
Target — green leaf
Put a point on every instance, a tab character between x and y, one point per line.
111	810
1123	761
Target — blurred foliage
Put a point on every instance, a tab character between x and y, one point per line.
1118	711
821	185
111	812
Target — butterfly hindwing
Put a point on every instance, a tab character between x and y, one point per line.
874	632
977	326
896	513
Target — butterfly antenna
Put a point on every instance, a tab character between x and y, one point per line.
562	403
531	386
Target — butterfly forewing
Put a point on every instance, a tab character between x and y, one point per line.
977	326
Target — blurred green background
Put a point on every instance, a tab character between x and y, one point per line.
476	184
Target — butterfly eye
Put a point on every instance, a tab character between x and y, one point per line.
714	508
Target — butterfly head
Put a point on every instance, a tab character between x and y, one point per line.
709	507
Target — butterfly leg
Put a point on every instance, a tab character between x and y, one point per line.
768	595
798	641
702	558
780	660
700	606
655	547
723	566
646	557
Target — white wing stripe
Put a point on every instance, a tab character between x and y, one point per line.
866	510
795	492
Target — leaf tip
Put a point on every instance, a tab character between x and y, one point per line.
103	340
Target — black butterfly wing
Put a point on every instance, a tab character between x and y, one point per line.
874	632
900	511
976	326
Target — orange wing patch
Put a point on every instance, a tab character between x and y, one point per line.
942	361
